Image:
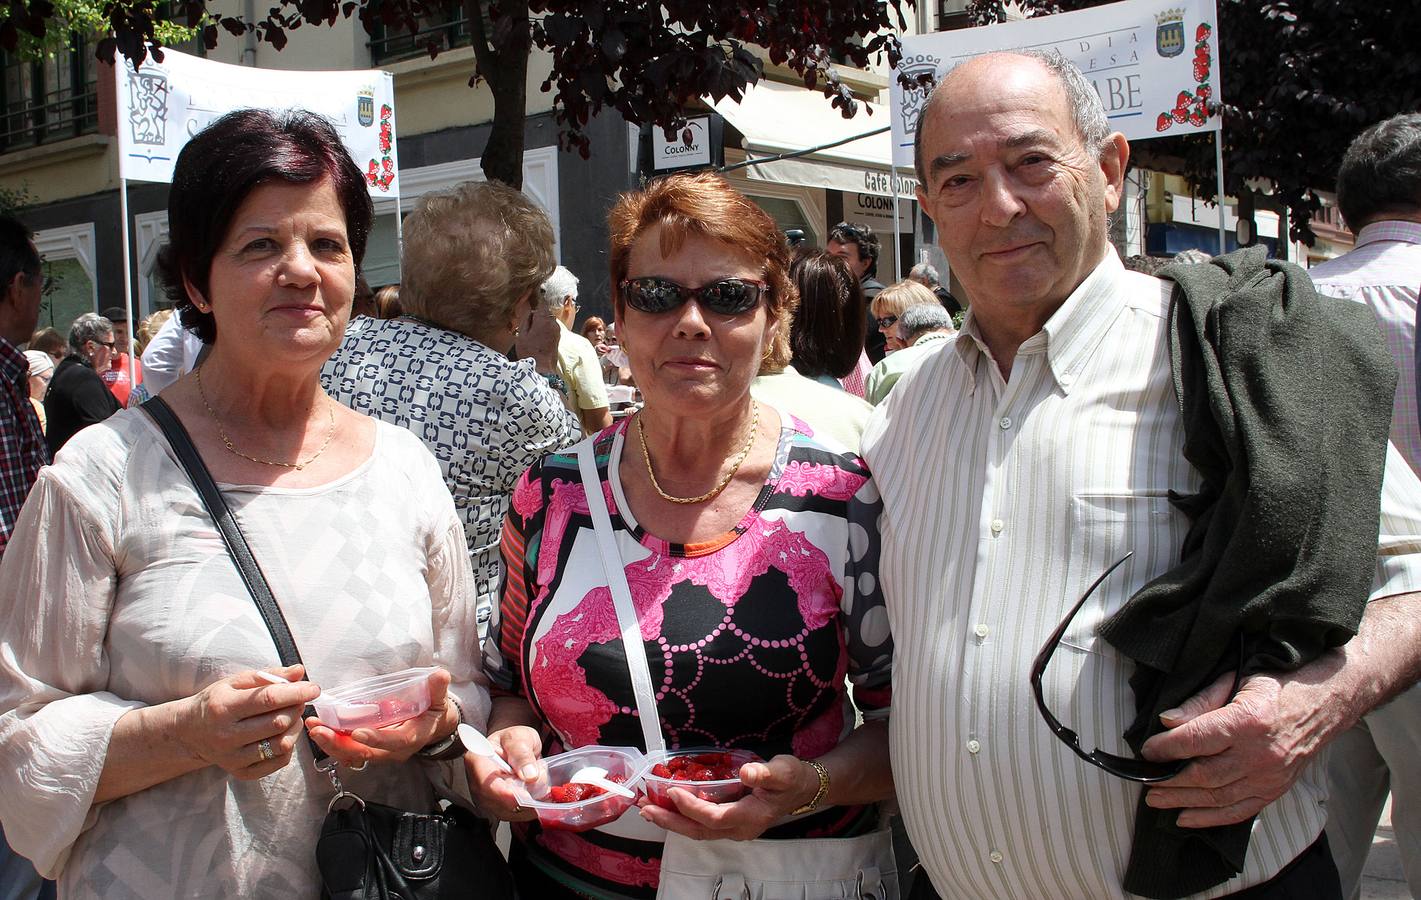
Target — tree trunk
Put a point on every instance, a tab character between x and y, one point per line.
502	56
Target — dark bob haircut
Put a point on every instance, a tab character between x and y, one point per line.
221	166
829	325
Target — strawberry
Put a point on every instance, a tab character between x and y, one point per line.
660	771
1197	118
1181	113
1201	33
1163	122
1184	99
1203	92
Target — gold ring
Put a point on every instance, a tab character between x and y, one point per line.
264	748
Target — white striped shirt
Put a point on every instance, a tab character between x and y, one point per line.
1003	501
1384	272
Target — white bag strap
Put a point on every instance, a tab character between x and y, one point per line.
621	599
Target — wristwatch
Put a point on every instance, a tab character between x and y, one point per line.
450	747
820	794
555	382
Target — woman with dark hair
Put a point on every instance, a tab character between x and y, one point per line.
827	339
142	752
829	324
749	548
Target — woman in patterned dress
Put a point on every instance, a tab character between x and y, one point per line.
141	755
750	564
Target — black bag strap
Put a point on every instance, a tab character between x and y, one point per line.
232	536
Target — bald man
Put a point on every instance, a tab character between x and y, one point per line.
1056	410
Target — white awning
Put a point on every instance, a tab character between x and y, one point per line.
781	118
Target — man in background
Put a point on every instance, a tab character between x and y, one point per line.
22	451
578	364
858	246
922	329
116	376
1379	195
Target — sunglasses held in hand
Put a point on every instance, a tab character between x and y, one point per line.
724	296
1127	767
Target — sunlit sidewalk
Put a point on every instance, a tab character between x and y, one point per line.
1383	878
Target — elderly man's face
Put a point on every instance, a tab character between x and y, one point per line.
1019	201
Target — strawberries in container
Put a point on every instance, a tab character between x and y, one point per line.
710	774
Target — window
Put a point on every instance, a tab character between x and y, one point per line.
68	264
447	27
50	99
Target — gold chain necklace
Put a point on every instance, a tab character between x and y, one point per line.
227	442
715	491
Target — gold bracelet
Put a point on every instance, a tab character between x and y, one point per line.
820	794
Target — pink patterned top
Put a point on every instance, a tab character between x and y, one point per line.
750	636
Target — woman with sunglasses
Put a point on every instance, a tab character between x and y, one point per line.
740	536
77	396
890	304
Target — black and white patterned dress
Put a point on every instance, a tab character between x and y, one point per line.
484	417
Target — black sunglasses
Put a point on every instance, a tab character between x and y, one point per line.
1127	767
886	321
724	296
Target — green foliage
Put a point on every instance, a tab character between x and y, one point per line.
1300	79
13	200
87	18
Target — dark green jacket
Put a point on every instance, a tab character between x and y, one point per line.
1286	399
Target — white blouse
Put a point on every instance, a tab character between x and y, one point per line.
116	592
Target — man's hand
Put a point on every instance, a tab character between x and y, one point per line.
1246	752
776	788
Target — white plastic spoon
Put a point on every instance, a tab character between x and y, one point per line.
597	777
474	742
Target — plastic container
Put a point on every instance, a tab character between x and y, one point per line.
720	790
375	702
582	815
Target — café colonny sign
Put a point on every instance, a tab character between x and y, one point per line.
1154	63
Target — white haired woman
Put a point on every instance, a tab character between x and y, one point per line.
474	258
77	396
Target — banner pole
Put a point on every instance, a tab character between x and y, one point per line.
897	241
1219	171
127	281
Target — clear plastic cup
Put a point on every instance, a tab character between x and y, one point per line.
625	763
715	790
375	702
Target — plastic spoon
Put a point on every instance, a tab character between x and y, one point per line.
474	742
597	777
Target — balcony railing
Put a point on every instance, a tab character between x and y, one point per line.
65	113
406	44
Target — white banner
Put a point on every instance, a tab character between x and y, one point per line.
164	104
1155	64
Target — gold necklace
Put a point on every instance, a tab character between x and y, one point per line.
715	491
227	442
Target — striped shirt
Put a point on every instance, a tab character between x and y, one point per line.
1384	272
1003	500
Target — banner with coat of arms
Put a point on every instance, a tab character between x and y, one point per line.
163	104
1154	63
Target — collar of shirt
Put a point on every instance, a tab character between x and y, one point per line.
13	365
1390	230
1072	333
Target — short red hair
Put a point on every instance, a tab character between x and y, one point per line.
705	205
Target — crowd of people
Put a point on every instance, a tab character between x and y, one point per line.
1105	582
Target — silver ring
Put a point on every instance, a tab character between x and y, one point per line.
264	747
361	767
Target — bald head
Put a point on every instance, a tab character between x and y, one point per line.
1080	96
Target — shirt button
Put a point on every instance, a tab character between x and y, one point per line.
995	856
980	631
973	746
1066	379
997	526
1005	422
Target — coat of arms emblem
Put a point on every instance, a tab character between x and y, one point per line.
365	107
917	78
1169	33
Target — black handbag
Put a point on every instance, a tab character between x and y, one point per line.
366	851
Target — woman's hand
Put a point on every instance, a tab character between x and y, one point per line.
777	788
492	787
394	743
226	722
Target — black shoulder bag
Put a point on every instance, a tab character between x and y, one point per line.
366	851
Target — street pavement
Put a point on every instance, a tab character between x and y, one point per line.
1383	879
